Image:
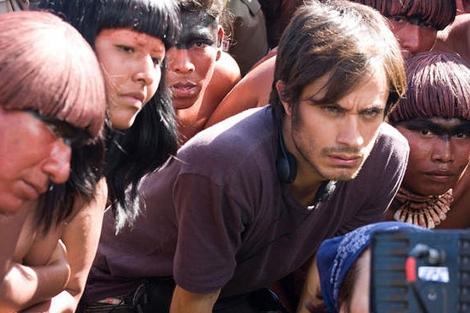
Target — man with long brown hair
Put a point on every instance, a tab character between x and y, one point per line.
415	24
248	201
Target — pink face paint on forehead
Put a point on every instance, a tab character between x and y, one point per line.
154	44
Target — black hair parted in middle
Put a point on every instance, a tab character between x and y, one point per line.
141	149
158	18
147	144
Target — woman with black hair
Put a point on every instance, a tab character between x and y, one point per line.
130	39
140	134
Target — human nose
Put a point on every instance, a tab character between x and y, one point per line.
145	70
57	166
179	61
349	133
442	151
415	38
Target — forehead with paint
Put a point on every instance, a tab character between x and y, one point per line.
446	128
59	98
154	18
432	13
197	25
434	117
438	87
415	22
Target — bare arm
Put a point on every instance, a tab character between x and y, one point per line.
24	286
188	302
226	75
10	229
81	238
251	91
454	38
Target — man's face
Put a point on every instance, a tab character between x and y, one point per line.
413	35
191	63
439	153
332	141
31	157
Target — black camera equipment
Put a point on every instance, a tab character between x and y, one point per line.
420	272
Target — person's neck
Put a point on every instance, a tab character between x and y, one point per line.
426	211
307	181
304	190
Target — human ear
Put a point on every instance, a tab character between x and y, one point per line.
220	40
343	308
280	88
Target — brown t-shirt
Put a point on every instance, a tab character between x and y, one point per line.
217	216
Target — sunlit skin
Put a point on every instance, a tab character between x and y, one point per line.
454	38
413	34
251	91
332	141
439	153
359	302
463	6
191	63
196	71
31	157
131	63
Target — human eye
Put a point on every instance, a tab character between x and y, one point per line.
426	25
70	135
202	43
372	113
157	61
199	44
461	135
419	21
425	132
125	49
332	110
54	129
399	19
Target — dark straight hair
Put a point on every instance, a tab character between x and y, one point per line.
145	146
340	39
438	86
436	13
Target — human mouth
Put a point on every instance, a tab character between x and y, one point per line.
134	98
440	176
184	89
406	54
31	191
345	160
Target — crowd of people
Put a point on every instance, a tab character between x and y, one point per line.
224	156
